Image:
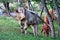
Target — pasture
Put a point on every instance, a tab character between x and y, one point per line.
10	30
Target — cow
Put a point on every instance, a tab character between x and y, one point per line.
30	18
46	17
45	27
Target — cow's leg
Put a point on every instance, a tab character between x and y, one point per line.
44	33
22	27
22	30
47	33
19	23
25	27
35	29
41	31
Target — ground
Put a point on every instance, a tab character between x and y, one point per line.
10	30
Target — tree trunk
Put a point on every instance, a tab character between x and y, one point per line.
41	11
21	3
50	20
58	14
41	8
30	5
6	5
18	2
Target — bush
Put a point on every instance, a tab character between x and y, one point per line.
3	17
12	8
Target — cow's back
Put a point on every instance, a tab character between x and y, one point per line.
32	18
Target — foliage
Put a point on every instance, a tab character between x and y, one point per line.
37	0
51	4
59	3
7	0
13	7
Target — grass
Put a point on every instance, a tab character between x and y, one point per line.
10	30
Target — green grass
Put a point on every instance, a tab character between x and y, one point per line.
10	30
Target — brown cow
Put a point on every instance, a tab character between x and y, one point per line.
46	18
45	27
29	18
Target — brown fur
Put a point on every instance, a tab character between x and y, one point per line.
27	22
45	27
18	16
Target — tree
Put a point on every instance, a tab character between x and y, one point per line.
58	14
30	5
50	19
41	11
6	4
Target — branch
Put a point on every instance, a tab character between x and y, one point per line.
41	11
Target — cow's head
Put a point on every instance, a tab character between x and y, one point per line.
20	14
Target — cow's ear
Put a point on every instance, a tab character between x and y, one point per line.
24	1
17	10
